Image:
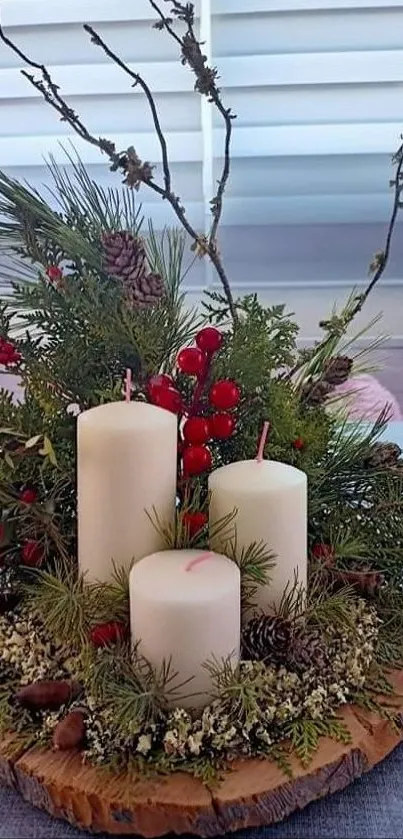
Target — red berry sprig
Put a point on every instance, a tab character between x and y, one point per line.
196	431
163	393
196	459
222	426
326	553
194	522
8	353
28	495
105	634
298	443
191	361
32	553
224	395
209	340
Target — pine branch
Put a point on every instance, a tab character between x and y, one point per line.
65	604
123	681
305	734
255	563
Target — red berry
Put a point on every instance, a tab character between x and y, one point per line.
191	361
168	398
196	430
222	426
196	459
28	496
162	380
194	522
14	358
104	634
209	339
225	395
323	551
54	273
8	347
298	443
32	553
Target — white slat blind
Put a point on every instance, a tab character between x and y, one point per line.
318	89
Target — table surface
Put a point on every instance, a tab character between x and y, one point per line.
371	808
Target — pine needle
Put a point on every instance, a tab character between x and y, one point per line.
255	563
65	604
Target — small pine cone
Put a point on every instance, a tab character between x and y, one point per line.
384	456
147	291
337	370
315	393
266	639
307	649
125	257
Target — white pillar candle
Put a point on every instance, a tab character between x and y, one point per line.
126	466
271	503
186	613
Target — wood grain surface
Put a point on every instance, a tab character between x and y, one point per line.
253	793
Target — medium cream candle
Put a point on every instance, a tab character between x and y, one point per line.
126	466
271	503
186	607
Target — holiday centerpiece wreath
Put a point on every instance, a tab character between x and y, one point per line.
202	578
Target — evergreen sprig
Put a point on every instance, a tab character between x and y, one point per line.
304	735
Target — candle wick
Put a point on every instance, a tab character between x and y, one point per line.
262	442
128	385
198	559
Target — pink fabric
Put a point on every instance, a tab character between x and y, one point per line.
367	398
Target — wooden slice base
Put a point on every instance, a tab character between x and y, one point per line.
253	794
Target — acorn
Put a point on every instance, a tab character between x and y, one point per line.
47	695
70	731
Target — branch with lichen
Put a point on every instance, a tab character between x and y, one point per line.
206	84
136	171
337	326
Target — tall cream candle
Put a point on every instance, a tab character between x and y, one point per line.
126	466
187	611
271	503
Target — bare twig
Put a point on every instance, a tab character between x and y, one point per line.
206	84
50	92
136	172
339	325
138	80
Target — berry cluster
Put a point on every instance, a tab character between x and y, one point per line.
198	425
55	275
8	353
30	552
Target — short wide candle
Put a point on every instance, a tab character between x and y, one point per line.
186	616
126	466
271	503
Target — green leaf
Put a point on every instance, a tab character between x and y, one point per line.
48	451
33	441
9	460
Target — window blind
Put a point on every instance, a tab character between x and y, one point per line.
317	86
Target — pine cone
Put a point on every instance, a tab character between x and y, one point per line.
315	393
266	639
125	259
306	649
147	291
337	370
125	256
384	456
